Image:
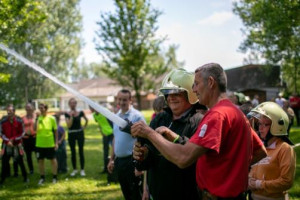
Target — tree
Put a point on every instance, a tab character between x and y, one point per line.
54	44
127	43
15	16
87	71
272	29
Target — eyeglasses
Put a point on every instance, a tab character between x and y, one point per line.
263	125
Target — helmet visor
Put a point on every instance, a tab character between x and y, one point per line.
254	114
171	91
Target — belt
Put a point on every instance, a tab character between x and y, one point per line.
124	157
75	131
206	195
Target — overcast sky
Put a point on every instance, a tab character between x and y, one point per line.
205	31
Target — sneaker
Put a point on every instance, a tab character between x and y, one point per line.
54	180
41	181
74	172
82	173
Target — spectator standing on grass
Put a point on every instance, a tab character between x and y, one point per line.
224	145
30	135
76	134
158	106
271	177
121	157
11	131
279	99
255	101
290	113
295	105
106	130
46	142
61	153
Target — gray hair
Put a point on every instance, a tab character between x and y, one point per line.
217	72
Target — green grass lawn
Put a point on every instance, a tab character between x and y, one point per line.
94	185
295	137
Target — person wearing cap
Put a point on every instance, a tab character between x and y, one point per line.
224	144
271	177
165	179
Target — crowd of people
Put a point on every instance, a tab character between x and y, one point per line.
203	142
41	133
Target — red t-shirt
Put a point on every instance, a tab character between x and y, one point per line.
225	130
12	129
295	101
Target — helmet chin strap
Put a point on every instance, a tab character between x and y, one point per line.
268	137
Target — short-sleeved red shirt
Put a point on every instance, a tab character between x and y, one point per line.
226	132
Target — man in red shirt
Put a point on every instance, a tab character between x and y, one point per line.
224	145
12	131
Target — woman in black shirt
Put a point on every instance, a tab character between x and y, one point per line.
76	133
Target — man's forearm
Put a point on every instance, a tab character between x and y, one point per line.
181	155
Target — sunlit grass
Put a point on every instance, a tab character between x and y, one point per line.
93	186
295	138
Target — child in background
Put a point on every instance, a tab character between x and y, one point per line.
158	105
61	154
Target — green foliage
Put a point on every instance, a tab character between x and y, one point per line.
15	17
128	45
52	43
272	29
4	78
88	71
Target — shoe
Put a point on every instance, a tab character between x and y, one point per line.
54	180
82	173
26	180
41	181
74	172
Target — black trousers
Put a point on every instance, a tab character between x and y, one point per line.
72	138
61	157
29	147
128	181
106	140
6	167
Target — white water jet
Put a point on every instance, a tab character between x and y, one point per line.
104	111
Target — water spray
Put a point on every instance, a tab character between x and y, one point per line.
123	124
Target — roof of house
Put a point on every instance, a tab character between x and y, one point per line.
253	76
95	87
